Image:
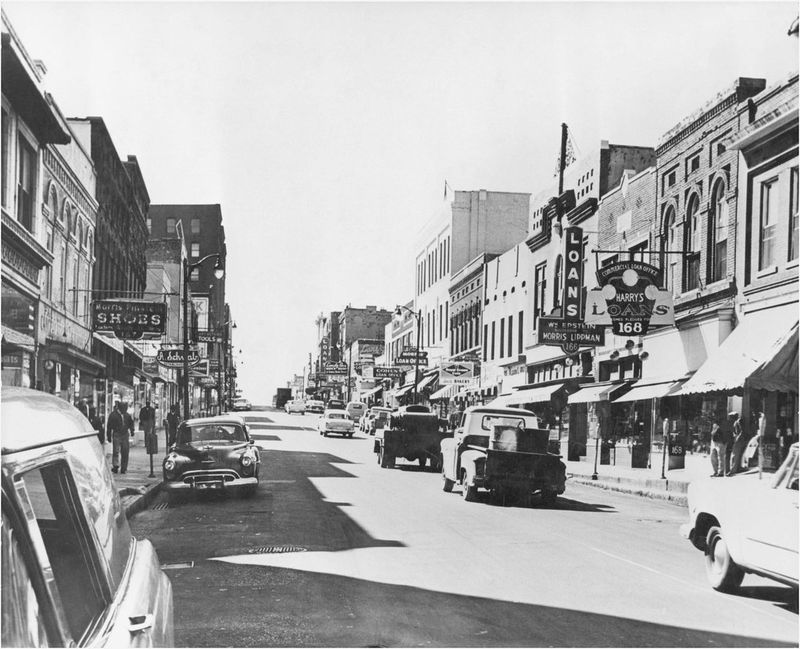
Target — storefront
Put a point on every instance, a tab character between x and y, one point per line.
590	419
18	342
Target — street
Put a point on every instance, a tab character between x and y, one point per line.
335	551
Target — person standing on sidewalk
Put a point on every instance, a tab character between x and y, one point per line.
172	422
115	431
147	419
739	442
720	439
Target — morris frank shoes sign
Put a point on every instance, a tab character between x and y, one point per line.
129	318
629	299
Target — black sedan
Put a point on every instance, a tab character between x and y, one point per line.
212	453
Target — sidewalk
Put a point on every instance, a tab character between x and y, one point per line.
136	488
643	482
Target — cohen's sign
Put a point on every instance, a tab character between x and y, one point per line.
129	319
379	372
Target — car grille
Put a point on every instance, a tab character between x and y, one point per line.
195	477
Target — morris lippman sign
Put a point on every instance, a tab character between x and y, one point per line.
129	319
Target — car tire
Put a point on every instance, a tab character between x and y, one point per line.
447	484
422	461
324	433
723	573
382	459
468	492
549	497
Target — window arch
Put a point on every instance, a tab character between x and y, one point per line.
669	244
718	237
691	245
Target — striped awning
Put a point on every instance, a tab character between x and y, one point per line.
447	392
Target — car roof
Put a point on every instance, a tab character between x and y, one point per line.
217	419
31	419
488	410
356	403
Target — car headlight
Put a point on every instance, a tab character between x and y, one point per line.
247	460
169	464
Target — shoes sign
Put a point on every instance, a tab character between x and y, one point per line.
129	319
174	357
630	299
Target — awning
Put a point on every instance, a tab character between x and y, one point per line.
648	391
532	395
17	339
404	390
594	392
447	392
424	383
757	351
369	393
114	343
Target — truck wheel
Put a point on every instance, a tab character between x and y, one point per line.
383	460
722	571
468	492
324	433
423	460
549	497
447	484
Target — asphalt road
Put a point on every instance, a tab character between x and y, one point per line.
334	551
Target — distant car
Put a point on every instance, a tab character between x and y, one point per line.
241	404
335	404
336	421
315	405
743	524
73	575
212	453
378	419
296	405
355	409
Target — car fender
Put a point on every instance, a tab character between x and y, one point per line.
448	448
708	501
469	460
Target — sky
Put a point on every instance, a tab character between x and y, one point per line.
326	130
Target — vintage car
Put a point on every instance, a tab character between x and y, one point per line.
212	453
504	451
314	405
355	410
296	405
241	404
747	523
72	573
378	419
336	421
411	434
335	404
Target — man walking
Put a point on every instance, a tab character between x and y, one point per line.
115	434
739	442
172	422
720	440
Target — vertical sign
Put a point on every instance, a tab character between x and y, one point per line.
573	273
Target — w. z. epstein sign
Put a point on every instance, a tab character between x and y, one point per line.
129	319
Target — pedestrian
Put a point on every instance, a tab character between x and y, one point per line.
172	422
97	424
118	436
720	439
147	418
739	442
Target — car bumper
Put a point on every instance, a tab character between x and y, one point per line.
339	430
201	482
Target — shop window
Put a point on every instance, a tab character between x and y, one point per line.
691	275
767	221
794	243
718	222
68	543
26	183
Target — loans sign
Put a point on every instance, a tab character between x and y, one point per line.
630	299
129	319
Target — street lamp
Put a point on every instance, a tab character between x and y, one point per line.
222	374
219	273
418	317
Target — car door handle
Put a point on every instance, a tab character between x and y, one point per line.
139	623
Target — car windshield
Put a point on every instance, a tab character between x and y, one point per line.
490	421
211	433
336	415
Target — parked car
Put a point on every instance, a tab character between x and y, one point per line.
336	404
72	573
336	421
241	404
504	451
212	453
747	525
355	409
315	405
296	405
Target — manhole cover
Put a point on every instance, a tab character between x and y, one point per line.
177	566
164	505
649	520
275	549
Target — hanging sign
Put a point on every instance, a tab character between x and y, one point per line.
174	357
129	319
573	273
379	372
456	373
630	299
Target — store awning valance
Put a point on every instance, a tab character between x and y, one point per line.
761	351
531	395
447	392
647	391
595	392
17	339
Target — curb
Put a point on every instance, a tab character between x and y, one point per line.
676	496
135	500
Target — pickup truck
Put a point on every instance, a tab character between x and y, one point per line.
413	433
504	451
